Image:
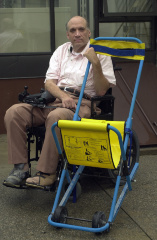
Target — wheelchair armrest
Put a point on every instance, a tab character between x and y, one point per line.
101	98
106	104
117	69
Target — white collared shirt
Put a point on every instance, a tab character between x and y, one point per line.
69	67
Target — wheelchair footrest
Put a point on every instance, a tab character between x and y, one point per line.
23	186
50	188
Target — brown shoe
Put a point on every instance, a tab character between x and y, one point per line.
41	180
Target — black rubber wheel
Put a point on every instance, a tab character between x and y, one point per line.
60	215
134	158
99	220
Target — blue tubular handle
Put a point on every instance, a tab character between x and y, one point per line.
55	138
75	118
120	140
119	39
122	150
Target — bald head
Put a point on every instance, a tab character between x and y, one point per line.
76	19
78	33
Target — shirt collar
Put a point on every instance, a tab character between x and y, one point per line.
84	50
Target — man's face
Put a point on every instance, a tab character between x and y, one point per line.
78	33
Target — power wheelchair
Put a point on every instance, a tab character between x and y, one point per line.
36	135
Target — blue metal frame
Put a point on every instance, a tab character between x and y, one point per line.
115	203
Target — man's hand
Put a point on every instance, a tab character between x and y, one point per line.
68	102
91	55
101	84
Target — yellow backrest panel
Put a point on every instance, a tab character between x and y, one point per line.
88	142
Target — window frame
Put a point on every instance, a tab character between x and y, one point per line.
107	17
52	37
28	64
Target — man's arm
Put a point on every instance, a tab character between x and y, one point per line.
67	102
100	82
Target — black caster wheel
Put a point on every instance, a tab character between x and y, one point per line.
60	215
134	158
99	220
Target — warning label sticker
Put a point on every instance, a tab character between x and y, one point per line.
87	149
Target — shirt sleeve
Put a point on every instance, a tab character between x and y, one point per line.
107	69
54	66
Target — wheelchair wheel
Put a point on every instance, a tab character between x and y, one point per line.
98	220
60	215
133	154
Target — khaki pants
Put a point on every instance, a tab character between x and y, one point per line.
21	115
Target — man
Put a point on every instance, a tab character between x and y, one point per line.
65	75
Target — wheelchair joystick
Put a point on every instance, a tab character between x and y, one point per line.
23	94
25	90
